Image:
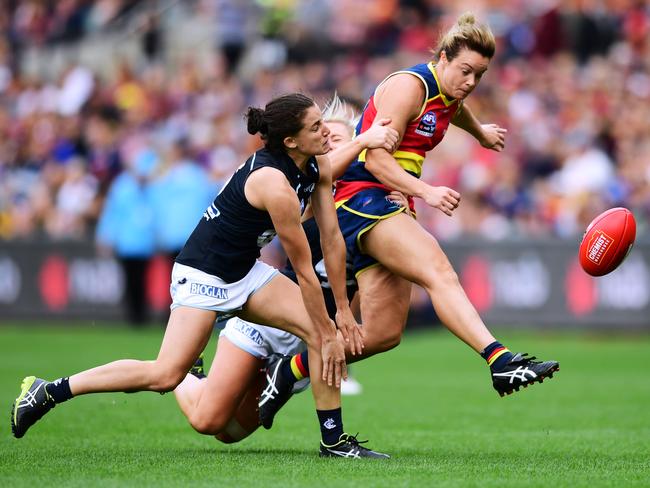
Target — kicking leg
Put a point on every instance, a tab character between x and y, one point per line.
406	249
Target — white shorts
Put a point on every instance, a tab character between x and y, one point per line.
261	341
191	287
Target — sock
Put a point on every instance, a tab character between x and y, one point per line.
198	374
59	390
331	425
197	368
297	368
496	355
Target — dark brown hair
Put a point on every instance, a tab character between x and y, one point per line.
282	117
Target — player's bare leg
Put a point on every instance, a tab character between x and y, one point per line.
210	404
352	386
187	334
384	300
406	249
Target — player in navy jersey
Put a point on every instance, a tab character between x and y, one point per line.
387	248
218	272
243	345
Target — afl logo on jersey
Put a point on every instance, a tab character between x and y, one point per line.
427	125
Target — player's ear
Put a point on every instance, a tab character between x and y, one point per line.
443	57
290	142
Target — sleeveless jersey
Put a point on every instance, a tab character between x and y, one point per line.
421	135
227	240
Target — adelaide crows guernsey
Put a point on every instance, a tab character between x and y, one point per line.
227	240
421	135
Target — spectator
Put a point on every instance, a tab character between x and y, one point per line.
179	195
563	73
126	230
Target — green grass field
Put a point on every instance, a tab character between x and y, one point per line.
429	403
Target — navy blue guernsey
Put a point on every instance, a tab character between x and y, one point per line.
227	240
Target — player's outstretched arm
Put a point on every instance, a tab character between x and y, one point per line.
333	247
490	136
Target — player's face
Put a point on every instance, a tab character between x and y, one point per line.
313	138
339	134
459	77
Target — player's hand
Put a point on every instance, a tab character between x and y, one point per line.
400	199
334	366
379	135
350	330
494	137
444	199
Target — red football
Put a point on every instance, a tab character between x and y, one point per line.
607	241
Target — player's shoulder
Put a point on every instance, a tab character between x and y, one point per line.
403	92
404	78
267	180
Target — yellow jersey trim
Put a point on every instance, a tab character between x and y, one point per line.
363	270
442	96
409	161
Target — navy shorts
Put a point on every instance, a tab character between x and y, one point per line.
357	216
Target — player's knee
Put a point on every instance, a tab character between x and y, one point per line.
390	340
207	424
311	337
382	340
441	275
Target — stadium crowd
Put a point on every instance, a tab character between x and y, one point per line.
79	152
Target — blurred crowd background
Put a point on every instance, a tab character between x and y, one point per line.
121	119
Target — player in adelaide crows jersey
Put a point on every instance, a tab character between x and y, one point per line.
218	272
389	249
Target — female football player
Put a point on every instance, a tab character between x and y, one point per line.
389	249
234	380
218	272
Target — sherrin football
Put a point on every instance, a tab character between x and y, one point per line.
607	241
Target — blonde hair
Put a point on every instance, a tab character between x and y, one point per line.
336	110
467	33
